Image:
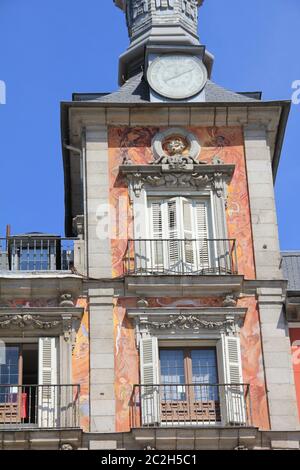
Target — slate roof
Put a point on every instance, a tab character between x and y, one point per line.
136	90
291	268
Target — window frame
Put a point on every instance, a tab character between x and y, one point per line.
187	360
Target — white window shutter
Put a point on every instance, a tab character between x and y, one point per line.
47	393
172	228
233	405
149	365
155	248
189	236
202	234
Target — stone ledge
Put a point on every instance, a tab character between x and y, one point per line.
176	286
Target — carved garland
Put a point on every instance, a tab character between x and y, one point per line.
23	321
186	180
192	322
34	322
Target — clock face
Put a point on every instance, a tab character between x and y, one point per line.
177	76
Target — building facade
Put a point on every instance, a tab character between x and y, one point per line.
162	320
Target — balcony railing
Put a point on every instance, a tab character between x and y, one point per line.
191	405
181	257
39	406
36	253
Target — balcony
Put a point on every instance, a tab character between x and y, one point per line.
208	266
181	257
36	252
39	406
174	405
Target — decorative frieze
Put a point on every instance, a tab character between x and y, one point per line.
197	177
27	321
63	323
188	322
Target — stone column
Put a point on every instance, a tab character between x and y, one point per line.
262	204
102	378
278	361
97	184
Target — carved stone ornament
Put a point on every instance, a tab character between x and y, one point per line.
67	328
191	322
176	148
140	12
66	446
229	301
66	300
183	180
27	321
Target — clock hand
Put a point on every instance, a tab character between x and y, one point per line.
177	76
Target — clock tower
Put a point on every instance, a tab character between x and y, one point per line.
169	190
164	43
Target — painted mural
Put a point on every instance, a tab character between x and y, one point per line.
295	342
81	364
224	142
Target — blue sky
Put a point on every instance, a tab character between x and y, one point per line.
51	48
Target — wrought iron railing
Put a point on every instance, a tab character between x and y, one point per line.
227	405
39	406
36	253
181	257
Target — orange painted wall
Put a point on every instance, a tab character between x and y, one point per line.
80	364
295	342
226	143
80	355
127	359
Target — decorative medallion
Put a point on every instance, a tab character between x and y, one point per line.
176	147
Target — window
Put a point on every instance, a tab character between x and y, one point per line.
200	385
28	382
184	375
180	229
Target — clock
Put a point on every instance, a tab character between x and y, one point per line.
177	76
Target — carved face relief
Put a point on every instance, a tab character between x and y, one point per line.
175	145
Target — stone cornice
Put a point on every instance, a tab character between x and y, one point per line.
49	312
38	285
210	311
